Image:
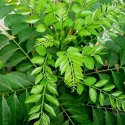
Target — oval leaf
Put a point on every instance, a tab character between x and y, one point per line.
101	83
92	94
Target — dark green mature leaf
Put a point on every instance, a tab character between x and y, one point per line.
5	115
98	116
120	119
122	57
58	120
27	34
4	84
3	40
7	51
15	108
26	107
15	59
13	18
18	27
19	80
118	80
112	58
4	10
110	118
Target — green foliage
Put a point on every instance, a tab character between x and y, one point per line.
62	62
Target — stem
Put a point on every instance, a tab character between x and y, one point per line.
102	107
67	115
104	70
12	38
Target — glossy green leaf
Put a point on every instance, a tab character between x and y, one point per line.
34	116
40	28
118	104
1	65
84	32
89	62
101	99
52	99
41	50
36	70
32	19
66	123
34	109
116	93
92	94
36	89
112	101
45	119
120	119
76	8
38	78
38	60
52	89
101	83
98	58
33	98
80	89
49	109
108	88
90	81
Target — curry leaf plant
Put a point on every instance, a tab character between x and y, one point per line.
62	62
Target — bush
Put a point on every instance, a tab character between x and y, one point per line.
62	62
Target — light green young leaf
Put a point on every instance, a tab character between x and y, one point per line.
36	70
41	50
37	89
38	78
34	109
32	19
52	99
80	89
52	89
98	58
40	28
101	99
123	106
118	104
84	32
46	118
108	88
92	94
112	101
89	62
90	81
34	116
49	109
33	98
76	8
101	83
116	93
1	65
38	60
